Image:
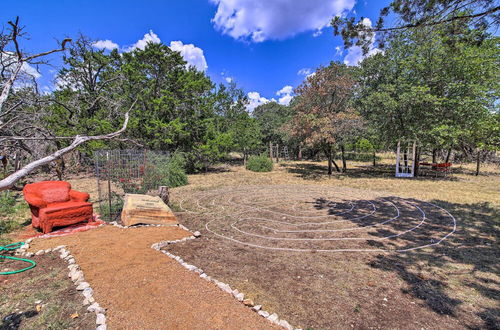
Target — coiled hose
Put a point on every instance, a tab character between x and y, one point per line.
11	247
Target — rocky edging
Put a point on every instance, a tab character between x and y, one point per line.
76	276
240	296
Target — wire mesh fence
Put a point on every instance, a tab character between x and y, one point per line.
121	172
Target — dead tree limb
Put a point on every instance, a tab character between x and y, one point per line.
10	180
21	60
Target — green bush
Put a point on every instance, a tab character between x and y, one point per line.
166	171
260	164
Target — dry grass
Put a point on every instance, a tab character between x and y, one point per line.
454	285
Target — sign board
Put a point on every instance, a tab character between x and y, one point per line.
146	209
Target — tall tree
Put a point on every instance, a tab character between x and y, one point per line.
414	15
323	112
430	85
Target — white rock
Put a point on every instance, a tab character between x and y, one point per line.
196	234
203	275
101	327
240	296
235	292
64	253
100	319
263	314
82	286
285	325
58	248
88	292
39	252
77	276
257	308
71	261
191	267
96	308
29	240
48	250
273	317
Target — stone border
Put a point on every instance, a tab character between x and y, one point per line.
76	276
240	296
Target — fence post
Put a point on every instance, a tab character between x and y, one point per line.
163	193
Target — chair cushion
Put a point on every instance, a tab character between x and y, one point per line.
66	206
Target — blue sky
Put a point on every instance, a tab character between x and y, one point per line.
261	44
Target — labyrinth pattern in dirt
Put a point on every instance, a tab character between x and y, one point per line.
322	219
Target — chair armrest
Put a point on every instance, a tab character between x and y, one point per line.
78	196
35	201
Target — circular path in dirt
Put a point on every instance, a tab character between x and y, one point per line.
324	219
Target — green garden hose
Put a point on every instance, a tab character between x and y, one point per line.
11	247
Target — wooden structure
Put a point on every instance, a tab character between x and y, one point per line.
405	167
147	210
55	204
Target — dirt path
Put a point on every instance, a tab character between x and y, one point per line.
144	289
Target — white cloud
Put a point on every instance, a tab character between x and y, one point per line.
105	44
29	70
286	95
229	80
355	53
338	50
304	72
285	90
149	37
259	20
192	54
254	100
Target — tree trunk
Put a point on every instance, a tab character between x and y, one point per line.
271	150
478	161
164	194
448	155
416	160
300	153
344	164
434	154
374	158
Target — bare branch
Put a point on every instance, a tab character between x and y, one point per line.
10	180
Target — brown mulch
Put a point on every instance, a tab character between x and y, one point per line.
143	289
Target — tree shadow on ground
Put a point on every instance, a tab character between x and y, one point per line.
309	171
464	264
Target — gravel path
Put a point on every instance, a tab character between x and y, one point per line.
143	289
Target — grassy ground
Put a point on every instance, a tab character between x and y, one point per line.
453	285
41	298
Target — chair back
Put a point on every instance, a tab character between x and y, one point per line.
49	191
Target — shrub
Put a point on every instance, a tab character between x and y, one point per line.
166	171
260	164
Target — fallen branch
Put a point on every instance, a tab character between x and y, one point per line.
10	180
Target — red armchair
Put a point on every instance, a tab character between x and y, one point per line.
54	204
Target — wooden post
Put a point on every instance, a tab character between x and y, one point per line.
164	194
414	158
271	150
397	158
277	153
108	165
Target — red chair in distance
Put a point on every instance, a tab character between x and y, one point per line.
55	204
